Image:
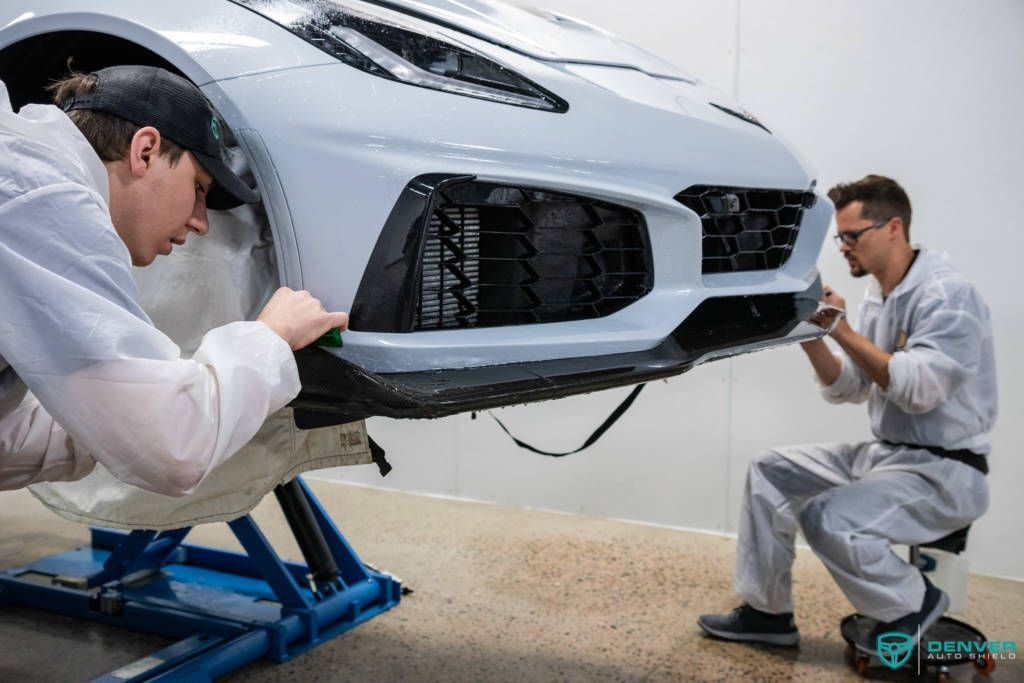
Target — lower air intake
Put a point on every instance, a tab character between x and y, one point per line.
505	255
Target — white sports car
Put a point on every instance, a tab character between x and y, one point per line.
513	204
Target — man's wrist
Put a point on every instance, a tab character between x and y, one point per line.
841	332
811	344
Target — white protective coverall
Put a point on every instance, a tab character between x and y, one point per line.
852	500
75	338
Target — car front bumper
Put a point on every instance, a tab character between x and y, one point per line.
336	391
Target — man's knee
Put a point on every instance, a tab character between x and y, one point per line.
776	468
820	522
766	460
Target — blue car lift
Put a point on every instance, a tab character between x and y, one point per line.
225	609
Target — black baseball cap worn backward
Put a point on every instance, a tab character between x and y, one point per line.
150	96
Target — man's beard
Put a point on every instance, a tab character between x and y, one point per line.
856	269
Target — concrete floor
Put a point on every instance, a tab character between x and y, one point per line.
500	594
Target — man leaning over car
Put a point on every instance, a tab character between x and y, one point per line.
922	356
120	171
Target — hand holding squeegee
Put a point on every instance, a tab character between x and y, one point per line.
300	319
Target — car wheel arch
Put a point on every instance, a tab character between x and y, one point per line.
36	51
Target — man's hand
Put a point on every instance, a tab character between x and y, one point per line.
826	318
825	364
832	298
842	330
299	318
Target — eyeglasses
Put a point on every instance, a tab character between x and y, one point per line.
850	238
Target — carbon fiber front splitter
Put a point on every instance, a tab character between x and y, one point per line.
335	391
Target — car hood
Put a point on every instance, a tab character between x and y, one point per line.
542	34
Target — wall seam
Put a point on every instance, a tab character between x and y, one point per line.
728	516
736	54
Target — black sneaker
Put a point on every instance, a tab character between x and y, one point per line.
933	606
748	624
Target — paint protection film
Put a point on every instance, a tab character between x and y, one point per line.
212	281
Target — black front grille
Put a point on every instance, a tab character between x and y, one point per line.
746	229
504	255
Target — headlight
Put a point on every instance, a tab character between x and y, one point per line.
389	45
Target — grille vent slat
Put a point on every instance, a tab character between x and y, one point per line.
500	255
746	229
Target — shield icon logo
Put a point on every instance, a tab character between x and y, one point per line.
894	648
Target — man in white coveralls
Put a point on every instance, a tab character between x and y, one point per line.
121	170
922	356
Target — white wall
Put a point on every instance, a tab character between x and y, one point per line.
928	92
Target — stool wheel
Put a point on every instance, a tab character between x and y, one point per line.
986	664
861	667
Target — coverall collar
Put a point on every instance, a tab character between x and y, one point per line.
926	262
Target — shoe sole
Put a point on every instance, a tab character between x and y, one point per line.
940	608
784	639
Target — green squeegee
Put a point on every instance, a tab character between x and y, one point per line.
332	338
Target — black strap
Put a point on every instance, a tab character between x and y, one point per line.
609	421
967	457
377	454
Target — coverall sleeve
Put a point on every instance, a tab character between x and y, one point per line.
943	348
851	386
34	448
112	385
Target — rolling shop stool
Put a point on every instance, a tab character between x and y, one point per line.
856	628
225	609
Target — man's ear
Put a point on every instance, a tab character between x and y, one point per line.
143	150
895	228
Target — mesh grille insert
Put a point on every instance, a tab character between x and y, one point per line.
503	255
746	229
